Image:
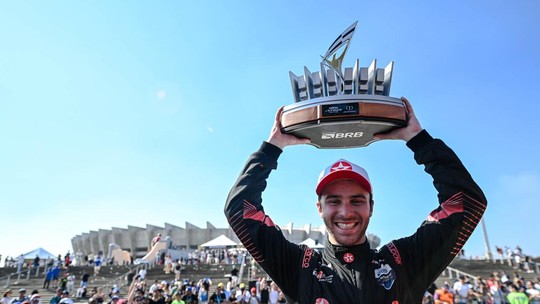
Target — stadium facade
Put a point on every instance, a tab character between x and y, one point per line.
136	240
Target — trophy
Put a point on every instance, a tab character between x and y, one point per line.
342	109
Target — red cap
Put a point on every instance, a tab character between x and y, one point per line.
343	169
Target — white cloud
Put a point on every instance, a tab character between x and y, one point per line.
210	129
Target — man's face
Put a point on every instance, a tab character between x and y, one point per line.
345	208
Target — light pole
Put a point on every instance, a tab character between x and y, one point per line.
488	248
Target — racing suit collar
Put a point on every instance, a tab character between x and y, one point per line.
347	254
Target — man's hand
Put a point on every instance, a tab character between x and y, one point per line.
280	140
406	133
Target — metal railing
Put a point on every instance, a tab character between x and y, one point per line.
453	273
22	275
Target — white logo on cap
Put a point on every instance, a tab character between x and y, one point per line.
341	166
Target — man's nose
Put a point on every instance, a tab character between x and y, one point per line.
345	209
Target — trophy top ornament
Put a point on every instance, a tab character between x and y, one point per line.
338	108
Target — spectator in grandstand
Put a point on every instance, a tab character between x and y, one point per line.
90	259
190	297
70	282
167	264
63	282
429	297
252	297
516	297
142	273
498	293
20	263
273	296
81	293
481	292
56	275
84	279
22	296
98	296
129	277
264	292
114	299
6	299
48	278
97	265
177	299
35	299
234	276
177	268
65	298
154	241
57	297
35	264
533	293
443	295
154	286
67	259
462	290
219	296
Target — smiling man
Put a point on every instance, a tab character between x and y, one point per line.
348	270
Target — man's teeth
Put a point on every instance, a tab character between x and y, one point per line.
345	226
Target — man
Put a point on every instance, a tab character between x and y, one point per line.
252	297
190	297
114	299
348	271
177	299
48	278
97	265
444	296
516	297
462	290
65	298
142	273
57	297
84	279
154	241
36	261
22	296
20	263
219	296
70	282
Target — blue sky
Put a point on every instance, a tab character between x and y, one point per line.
117	113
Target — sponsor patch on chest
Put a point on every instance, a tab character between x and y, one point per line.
385	276
321	276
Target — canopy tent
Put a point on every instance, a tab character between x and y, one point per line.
40	252
311	243
220	242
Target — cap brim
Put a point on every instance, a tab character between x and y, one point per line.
342	174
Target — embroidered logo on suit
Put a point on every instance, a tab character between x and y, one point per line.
385	276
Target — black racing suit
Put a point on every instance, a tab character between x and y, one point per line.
399	272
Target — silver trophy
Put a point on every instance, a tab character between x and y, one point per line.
342	109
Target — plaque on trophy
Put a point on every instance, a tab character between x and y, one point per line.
338	108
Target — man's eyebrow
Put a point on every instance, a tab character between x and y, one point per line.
333	196
352	196
359	196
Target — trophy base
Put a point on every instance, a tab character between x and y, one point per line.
344	121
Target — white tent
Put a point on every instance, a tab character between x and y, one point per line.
220	242
311	243
40	252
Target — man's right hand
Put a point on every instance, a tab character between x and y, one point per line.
280	140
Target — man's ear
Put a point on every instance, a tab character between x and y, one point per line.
319	207
371	204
